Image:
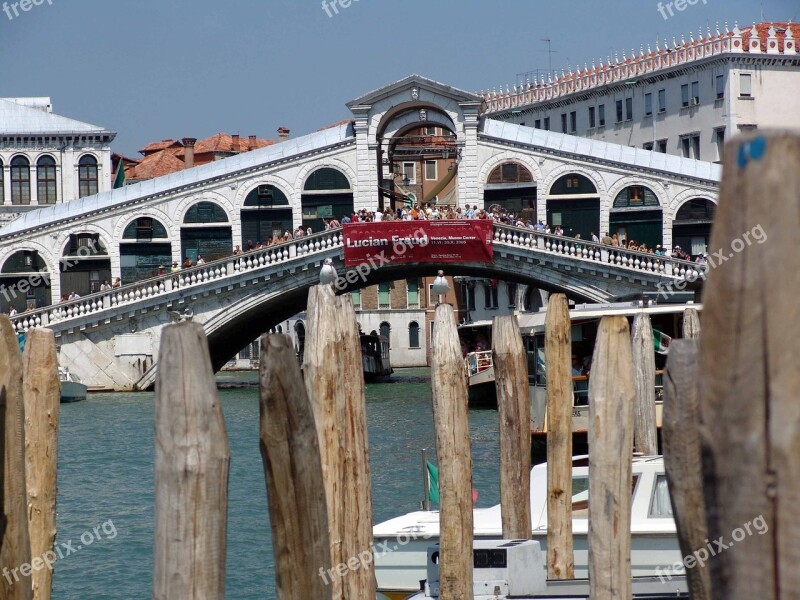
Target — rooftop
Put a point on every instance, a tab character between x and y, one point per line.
34	116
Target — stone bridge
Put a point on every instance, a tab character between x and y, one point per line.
111	339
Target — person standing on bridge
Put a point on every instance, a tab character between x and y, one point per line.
200	260
188	264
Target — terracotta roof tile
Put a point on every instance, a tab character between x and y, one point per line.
223	142
155	165
158	146
763	33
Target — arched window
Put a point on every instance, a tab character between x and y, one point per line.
87	176
144	229
46	180
206	212
326	179
413	334
20	180
572	184
697	209
385	331
510	173
266	196
635	196
24	261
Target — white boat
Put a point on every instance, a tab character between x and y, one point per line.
72	389
401	543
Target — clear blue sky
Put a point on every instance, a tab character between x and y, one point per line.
155	69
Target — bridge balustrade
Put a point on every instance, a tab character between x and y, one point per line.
183	279
280	253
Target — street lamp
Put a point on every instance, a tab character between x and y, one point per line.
440	286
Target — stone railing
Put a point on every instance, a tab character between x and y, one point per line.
184	279
593	251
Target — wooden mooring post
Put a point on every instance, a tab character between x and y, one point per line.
293	471
611	397
451	420
680	435
558	346
15	547
335	384
42	397
645	438
750	382
514	414
191	462
691	324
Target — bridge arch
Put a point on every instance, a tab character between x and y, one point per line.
265	210
19	265
691	225
398	125
573	202
327	192
145	248
636	210
206	229
520	196
85	261
527	161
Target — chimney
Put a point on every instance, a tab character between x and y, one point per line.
283	133
188	151
251	142
235	142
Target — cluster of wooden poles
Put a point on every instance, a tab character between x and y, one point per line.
731	432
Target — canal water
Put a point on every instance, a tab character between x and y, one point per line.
106	481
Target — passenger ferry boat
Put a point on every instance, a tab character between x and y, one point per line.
479	367
654	541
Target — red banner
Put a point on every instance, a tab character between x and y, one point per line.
468	240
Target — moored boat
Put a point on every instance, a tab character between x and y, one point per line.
402	543
72	389
375	357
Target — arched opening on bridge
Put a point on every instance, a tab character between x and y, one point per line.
206	231
511	188
574	205
691	228
85	265
145	250
636	215
420	166
327	193
20	286
265	214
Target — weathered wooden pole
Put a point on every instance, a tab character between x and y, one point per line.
557	351
691	324
451	419
335	384
191	462
680	437
750	383
42	395
293	472
611	397
645	439
514	413
15	547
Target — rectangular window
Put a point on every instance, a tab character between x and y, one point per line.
430	131
661	146
686	146
647	146
619	111
573	122
410	172
430	170
662	101
356	296
696	147
412	290
592	123
384	295
537	123
719	86
685	95
745	82
563	122
695	93
720	142
648	104
490	294
547	123
601	115
628	109
512	294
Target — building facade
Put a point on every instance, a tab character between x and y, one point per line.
47	159
683	99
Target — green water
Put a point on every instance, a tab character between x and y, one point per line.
105	472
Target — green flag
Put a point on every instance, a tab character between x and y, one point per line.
661	341
433	483
119	180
